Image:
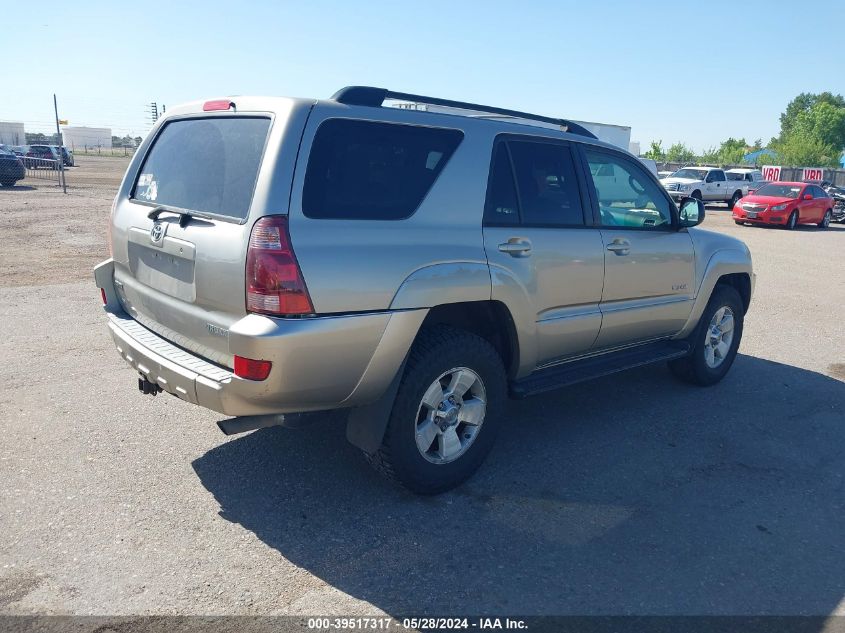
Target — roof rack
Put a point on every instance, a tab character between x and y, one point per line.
375	97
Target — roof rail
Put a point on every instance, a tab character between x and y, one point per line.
375	97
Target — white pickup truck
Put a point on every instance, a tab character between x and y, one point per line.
709	184
751	179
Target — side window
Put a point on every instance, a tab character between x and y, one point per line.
366	170
717	175
630	198
546	184
502	207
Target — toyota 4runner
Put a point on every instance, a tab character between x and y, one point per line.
276	257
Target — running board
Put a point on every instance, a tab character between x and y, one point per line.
577	371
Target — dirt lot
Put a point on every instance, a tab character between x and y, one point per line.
633	494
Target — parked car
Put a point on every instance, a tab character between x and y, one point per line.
67	155
703	183
787	204
663	174
751	179
38	156
276	257
20	150
11	168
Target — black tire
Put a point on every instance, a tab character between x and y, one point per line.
437	350
8	183
792	222
694	368
826	219
739	223
696	194
734	199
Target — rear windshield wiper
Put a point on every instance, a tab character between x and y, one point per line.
184	216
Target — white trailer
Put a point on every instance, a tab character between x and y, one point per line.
619	135
12	133
78	137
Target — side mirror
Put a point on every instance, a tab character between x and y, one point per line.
808	196
691	212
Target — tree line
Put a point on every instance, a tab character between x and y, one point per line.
812	133
39	138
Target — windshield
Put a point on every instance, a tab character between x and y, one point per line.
695	174
779	191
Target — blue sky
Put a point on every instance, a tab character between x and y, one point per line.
696	72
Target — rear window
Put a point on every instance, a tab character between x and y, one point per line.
208	165
365	170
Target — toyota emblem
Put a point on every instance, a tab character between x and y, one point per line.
157	233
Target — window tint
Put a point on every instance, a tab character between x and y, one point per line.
818	192
546	182
206	165
629	198
366	170
502	206
717	175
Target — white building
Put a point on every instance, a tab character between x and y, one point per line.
12	133
80	137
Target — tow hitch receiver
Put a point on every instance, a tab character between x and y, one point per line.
147	387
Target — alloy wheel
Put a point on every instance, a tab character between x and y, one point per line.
450	415
718	337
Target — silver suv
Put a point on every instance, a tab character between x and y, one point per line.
276	257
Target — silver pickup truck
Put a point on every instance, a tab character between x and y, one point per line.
274	259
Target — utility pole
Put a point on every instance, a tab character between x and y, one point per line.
154	111
61	144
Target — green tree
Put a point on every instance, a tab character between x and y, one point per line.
804	103
710	155
680	153
732	151
812	130
655	152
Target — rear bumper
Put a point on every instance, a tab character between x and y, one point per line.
318	363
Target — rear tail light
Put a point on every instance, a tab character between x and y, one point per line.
103	295
274	283
252	369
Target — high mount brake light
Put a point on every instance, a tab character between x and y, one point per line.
218	104
274	283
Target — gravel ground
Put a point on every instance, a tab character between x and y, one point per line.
633	494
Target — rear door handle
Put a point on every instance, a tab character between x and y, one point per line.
619	247
516	247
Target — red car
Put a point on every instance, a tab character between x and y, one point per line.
787	204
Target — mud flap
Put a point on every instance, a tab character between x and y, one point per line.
366	425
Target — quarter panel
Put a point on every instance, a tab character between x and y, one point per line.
359	265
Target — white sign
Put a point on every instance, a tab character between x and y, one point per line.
813	173
771	173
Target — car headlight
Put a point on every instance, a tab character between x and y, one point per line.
683	187
780	207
